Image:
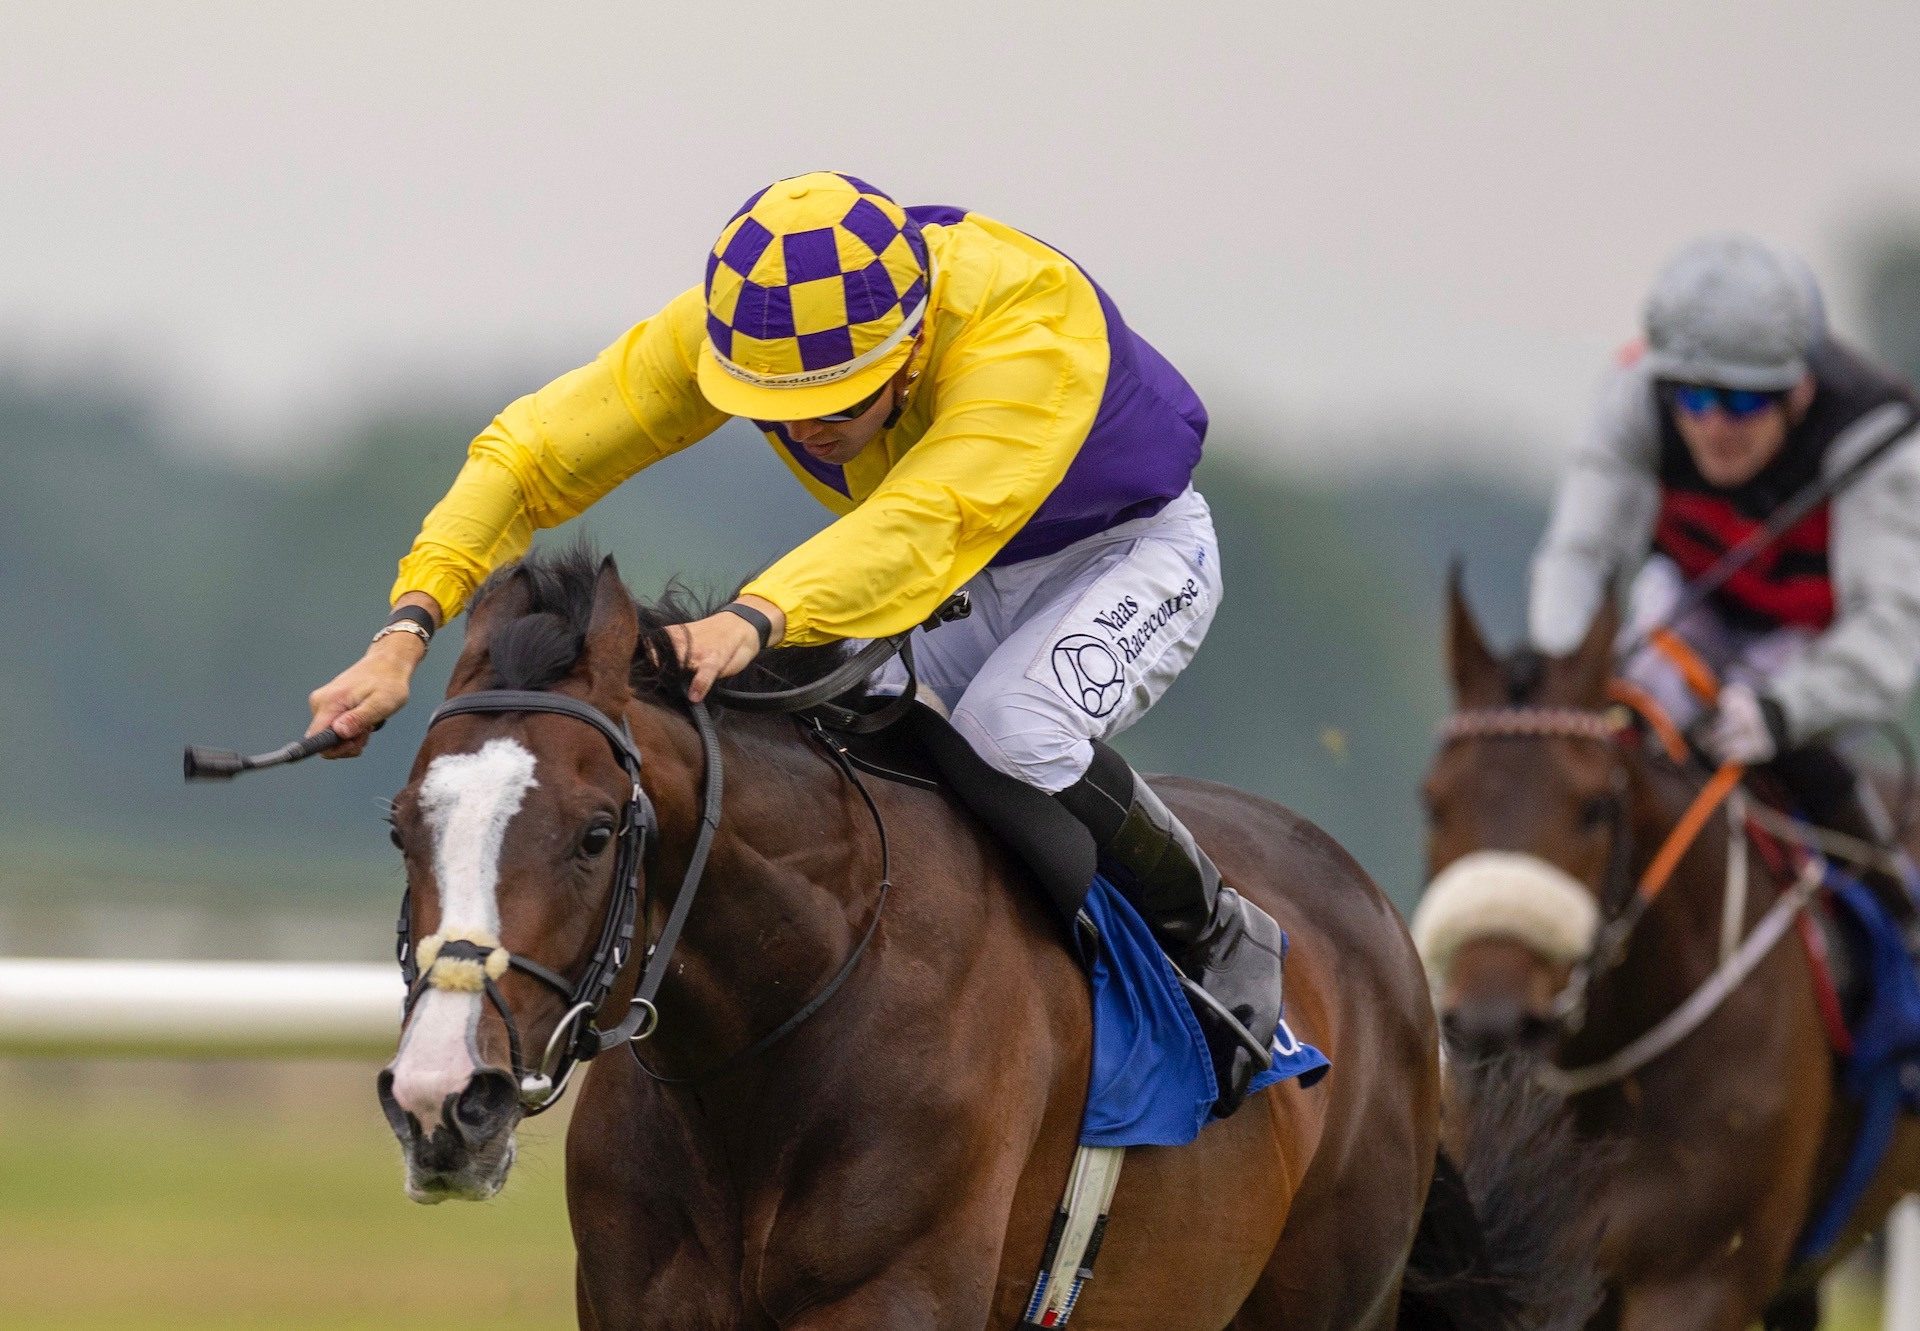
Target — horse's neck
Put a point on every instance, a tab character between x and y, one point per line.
793	875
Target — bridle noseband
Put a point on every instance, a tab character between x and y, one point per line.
472	963
1621	904
477	963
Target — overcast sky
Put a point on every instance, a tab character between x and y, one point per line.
1335	218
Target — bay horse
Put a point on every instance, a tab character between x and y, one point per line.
1726	1142
894	1155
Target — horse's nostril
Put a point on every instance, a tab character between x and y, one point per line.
405	1126
486	1106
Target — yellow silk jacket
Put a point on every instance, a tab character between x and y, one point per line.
1023	357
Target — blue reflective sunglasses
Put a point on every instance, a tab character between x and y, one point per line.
1739	403
857	410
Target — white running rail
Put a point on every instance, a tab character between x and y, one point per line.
197	1009
249	1009
1903	1268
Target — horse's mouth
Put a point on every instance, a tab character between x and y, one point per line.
432	1178
467	1153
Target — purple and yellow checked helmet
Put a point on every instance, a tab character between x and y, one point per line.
814	290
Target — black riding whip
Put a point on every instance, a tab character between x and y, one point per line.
204	764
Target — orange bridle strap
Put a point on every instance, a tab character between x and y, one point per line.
1642	704
1701	680
1685	832
1698	675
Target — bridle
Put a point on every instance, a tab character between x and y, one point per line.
1610	727
475	962
478	962
1626	900
1623	901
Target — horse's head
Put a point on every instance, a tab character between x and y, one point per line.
512	824
1525	805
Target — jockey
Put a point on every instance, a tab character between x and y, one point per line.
1740	400
971	407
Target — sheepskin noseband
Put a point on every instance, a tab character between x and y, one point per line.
1507	894
485	960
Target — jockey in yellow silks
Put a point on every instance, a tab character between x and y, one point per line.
974	411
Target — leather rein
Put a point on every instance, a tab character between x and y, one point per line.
578	1037
1624	900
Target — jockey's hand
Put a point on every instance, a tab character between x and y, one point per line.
366	693
722	645
1744	728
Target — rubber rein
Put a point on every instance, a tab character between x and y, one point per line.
577	1037
1625	900
479	962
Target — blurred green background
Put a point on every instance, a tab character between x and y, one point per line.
156	597
1387	242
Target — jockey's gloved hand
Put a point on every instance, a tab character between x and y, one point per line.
1744	728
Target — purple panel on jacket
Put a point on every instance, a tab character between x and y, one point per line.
1138	457
829	475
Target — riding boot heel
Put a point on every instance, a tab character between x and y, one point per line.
1227	950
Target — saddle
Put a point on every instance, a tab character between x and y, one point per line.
920	747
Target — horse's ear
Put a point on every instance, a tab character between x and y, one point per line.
612	636
507	601
1475	671
1590	667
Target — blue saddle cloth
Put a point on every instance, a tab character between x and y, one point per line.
1882	1074
1152	1082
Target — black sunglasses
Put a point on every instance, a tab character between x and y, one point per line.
857	410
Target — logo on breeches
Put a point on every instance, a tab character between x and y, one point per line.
1089	673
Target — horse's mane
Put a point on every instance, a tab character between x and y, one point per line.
539	647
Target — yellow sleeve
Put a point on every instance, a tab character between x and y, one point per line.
552	453
1015	399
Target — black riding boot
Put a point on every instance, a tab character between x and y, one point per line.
1227	949
1828	791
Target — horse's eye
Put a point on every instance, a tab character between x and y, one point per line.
1598	811
598	837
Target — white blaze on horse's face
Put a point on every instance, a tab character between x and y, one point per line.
467	800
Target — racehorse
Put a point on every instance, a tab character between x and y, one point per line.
857	1098
1731	1137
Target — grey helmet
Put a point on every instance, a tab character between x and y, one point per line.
1728	310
